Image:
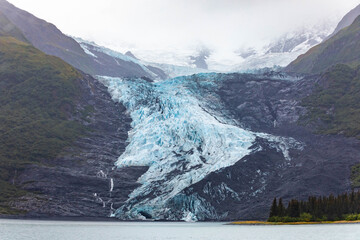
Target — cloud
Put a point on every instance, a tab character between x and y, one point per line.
222	25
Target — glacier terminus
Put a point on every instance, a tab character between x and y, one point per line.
182	133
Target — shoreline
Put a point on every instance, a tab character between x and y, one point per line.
291	223
75	219
110	219
96	219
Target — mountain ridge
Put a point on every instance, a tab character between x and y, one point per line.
346	21
341	48
49	39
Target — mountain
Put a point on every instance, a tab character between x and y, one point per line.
60	136
346	21
278	52
108	57
154	70
341	48
281	126
84	55
49	39
59	133
209	146
221	146
202	147
285	49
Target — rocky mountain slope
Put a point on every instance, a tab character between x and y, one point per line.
59	137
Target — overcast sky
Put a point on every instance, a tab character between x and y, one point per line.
183	24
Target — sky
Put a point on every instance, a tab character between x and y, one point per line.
184	25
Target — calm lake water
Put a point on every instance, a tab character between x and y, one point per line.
56	230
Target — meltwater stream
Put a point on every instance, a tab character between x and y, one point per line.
182	133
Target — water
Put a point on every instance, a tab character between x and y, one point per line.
56	230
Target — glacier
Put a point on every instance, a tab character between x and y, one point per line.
272	54
182	133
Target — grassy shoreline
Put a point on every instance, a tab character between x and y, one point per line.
291	223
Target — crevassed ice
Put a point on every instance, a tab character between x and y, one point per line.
178	136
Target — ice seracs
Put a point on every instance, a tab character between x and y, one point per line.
189	217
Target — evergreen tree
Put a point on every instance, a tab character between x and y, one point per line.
341	207
281	209
274	209
294	209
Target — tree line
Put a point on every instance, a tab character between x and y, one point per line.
331	208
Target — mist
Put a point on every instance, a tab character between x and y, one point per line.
223	26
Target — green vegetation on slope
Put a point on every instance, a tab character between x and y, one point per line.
344	48
317	209
38	96
355	176
334	106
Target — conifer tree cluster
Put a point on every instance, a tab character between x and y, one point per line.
332	208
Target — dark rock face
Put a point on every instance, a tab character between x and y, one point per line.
82	180
160	73
262	102
130	54
247	52
200	59
245	190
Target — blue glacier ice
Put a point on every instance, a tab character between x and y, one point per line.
181	132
